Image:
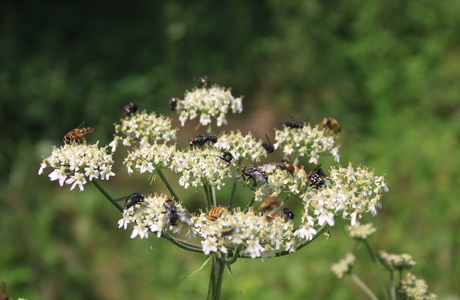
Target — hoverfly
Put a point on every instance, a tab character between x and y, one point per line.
316	177
173	103
216	212
270	203
132	199
227	231
172	214
227	157
331	125
288	213
202	139
268	146
293	123
255	173
2	291
130	108
77	134
204	81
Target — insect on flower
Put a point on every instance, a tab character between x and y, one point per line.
204	81
2	291
132	199
173	103
331	125
130	108
293	123
227	231
202	139
316	177
270	203
255	173
268	146
172	214
227	157
216	212
288	213
77	134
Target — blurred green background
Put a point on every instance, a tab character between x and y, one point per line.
387	70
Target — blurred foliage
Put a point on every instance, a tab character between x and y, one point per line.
387	70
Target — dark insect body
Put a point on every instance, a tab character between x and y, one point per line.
316	177
268	146
173	103
130	108
132	199
227	157
172	215
293	123
227	231
204	81
254	173
202	139
288	213
76	135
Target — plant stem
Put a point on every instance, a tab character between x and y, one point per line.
215	281
379	273
363	286
168	186
235	181
182	244
208	196
101	189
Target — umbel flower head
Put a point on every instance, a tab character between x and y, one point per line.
143	129
208	102
413	288
344	266
76	163
395	261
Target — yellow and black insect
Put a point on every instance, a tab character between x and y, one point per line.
216	212
268	146
332	126
132	199
76	134
130	108
316	177
293	123
270	203
202	139
2	291
227	231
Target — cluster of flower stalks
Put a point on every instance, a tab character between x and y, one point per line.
292	198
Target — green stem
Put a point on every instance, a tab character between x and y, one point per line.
250	204
235	181
182	244
379	273
208	196
392	286
363	286
101	189
215	281
168	186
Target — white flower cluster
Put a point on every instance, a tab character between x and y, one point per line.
150	158
280	181
144	129
200	166
208	102
241	146
257	235
152	215
344	266
76	163
395	261
306	141
413	288
349	193
361	231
